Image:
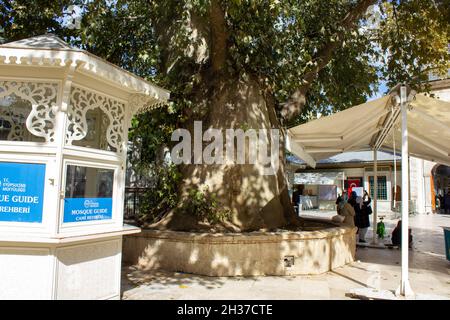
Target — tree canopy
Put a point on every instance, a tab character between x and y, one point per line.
309	56
341	50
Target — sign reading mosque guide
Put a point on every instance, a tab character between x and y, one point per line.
21	191
87	209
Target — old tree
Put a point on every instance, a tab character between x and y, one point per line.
242	64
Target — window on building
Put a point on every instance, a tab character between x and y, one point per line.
88	182
88	195
382	187
13	116
27	111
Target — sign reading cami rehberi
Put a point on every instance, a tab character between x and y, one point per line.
21	191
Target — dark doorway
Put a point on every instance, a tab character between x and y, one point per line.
441	188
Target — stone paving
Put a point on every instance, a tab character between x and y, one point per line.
373	268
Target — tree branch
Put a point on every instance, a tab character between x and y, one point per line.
219	36
293	107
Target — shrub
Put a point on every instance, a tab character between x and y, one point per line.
204	205
162	194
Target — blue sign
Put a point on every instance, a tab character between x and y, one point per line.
21	191
87	209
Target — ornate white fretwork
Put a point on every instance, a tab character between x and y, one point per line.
16	119
141	103
81	101
42	97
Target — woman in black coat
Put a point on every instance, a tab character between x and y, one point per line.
362	220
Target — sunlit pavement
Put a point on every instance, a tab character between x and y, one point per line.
376	268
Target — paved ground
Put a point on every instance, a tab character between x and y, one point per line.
375	268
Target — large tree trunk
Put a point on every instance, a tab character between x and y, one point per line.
256	201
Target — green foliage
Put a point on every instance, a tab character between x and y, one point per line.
168	42
205	206
162	194
416	35
21	19
151	131
275	41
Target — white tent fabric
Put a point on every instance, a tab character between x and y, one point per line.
377	121
417	125
428	130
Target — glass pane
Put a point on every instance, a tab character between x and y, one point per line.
382	187
88	194
97	127
14	112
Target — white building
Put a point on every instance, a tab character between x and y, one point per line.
344	171
427	178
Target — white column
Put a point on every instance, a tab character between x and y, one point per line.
375	195
395	169
60	137
404	288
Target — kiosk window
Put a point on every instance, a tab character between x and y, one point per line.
87	182
14	112
97	123
88	195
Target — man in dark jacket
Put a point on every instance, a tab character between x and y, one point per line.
362	212
447	202
296	197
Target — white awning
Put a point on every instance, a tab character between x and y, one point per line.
415	124
376	124
320	178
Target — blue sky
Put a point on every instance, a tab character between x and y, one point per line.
382	89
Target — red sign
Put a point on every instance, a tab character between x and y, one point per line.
352	183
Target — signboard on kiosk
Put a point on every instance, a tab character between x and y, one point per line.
88	195
21	191
87	209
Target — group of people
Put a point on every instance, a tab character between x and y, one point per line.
355	211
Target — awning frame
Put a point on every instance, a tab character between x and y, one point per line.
379	120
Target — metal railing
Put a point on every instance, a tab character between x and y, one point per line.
133	200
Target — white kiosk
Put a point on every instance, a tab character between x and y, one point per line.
64	119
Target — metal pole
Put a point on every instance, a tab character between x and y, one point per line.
395	168
375	195
404	288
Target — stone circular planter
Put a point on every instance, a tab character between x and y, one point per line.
242	254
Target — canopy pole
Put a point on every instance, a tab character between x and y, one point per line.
405	288
375	195
395	168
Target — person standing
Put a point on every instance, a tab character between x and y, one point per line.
348	213
296	197
447	202
356	205
340	201
362	220
352	198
